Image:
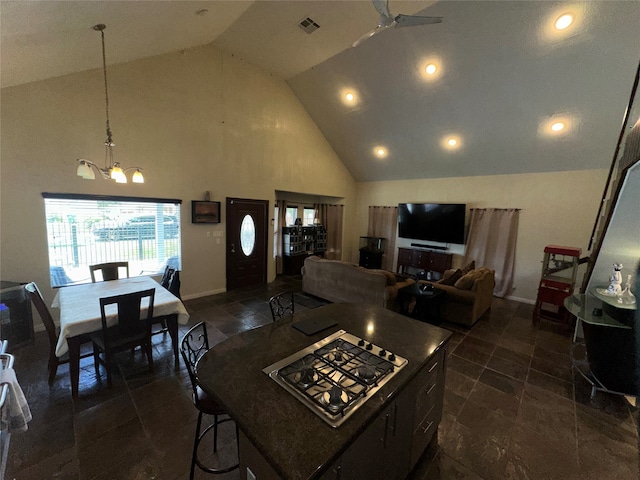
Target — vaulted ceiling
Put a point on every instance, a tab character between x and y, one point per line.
504	73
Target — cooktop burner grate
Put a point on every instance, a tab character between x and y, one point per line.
336	375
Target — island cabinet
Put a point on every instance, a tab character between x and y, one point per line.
396	439
423	260
428	406
282	438
385	445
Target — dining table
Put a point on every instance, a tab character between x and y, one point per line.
80	315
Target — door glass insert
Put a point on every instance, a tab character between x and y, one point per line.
247	235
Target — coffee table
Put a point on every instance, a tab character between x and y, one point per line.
427	303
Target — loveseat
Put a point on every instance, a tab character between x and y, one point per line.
468	294
339	281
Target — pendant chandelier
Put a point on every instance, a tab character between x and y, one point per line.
112	170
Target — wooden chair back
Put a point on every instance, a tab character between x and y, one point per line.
33	292
110	271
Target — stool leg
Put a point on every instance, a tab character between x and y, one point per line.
195	447
215	433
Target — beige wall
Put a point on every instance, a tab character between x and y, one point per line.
195	120
557	208
202	120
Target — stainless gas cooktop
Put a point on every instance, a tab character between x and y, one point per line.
336	375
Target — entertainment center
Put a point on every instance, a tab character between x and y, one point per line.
428	261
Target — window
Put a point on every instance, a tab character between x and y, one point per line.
292	214
83	230
308	216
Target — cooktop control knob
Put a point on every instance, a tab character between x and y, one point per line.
383	352
361	342
369	346
392	357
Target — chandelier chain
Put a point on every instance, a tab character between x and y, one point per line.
106	89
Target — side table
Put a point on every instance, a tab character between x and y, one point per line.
426	303
607	357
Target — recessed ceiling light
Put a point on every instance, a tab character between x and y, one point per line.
563	21
380	152
451	142
557	125
430	68
349	96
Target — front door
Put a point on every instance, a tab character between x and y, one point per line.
246	242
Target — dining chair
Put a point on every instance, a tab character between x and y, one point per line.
36	298
171	281
110	271
281	304
174	283
166	276
194	344
129	331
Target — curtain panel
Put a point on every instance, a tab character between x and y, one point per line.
492	243
282	222
383	222
330	216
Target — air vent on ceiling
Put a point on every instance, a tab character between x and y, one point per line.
308	25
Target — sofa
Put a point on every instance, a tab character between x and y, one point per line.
468	293
339	281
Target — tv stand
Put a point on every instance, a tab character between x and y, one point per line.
423	260
432	247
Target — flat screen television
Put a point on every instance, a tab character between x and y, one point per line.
436	222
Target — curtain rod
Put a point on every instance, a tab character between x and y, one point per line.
491	208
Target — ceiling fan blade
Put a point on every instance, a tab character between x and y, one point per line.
414	20
370	34
382	6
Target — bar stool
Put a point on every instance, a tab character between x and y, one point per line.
194	344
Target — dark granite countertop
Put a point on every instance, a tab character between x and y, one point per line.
296	442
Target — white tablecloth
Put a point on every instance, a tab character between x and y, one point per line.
80	306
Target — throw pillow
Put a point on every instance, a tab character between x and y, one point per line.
468	267
466	281
450	279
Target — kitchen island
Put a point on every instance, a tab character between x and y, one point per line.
281	437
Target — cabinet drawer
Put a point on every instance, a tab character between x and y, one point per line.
424	433
430	389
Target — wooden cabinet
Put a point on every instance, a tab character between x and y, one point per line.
298	243
428	408
370	259
423	260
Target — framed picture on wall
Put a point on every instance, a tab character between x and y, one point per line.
205	212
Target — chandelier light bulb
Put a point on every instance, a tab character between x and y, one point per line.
556	127
431	69
137	177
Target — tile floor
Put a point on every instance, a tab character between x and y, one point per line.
514	407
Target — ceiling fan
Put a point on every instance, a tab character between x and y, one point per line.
387	20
